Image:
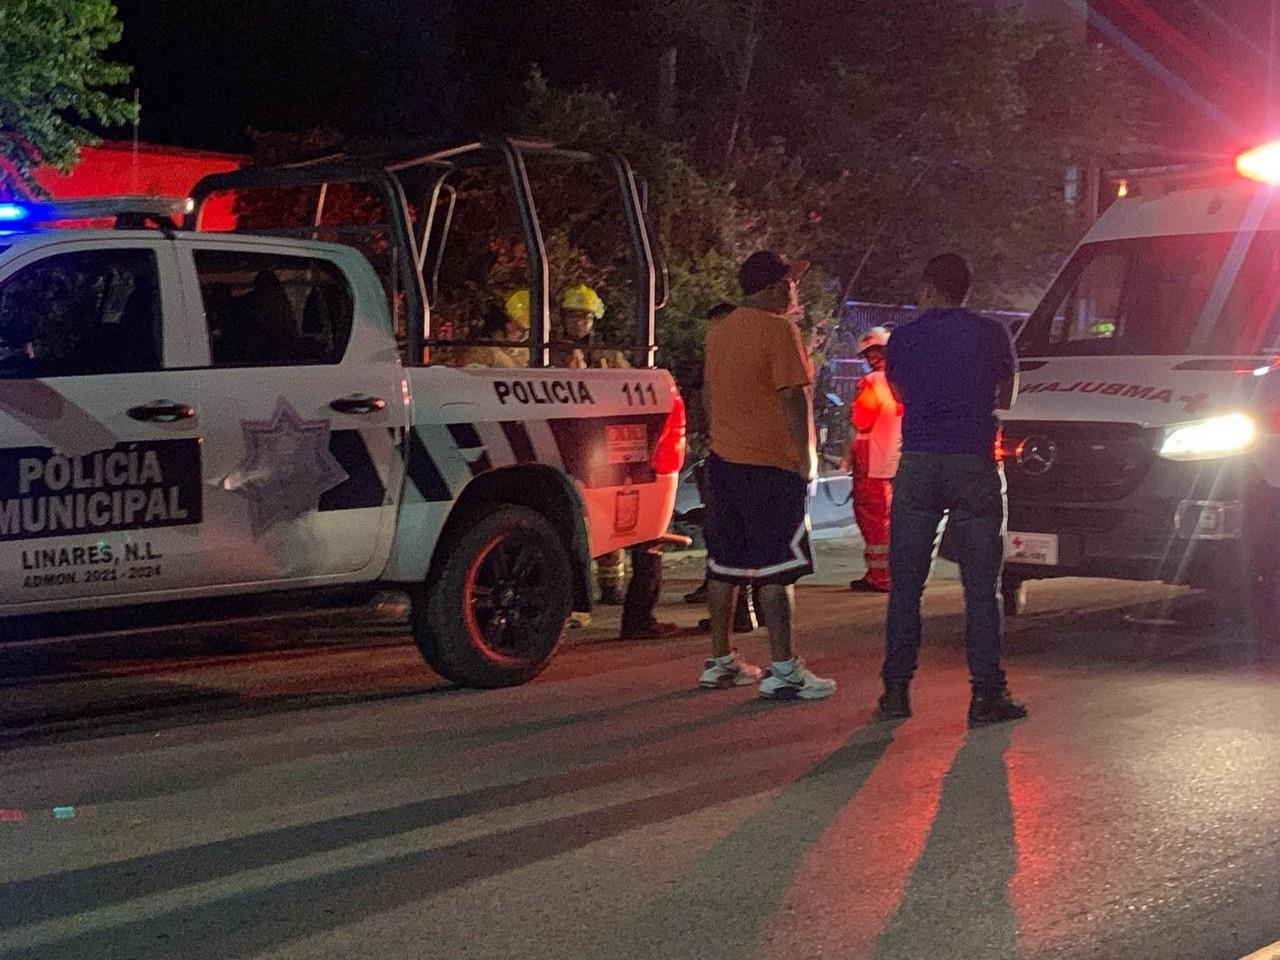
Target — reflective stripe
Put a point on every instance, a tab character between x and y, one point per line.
800	560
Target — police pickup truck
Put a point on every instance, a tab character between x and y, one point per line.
189	415
1145	440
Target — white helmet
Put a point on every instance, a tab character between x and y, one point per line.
875	337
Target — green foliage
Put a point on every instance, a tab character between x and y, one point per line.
53	78
696	287
707	221
964	146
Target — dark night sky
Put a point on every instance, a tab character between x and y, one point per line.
1218	49
210	69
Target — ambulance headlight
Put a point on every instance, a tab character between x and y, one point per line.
1223	436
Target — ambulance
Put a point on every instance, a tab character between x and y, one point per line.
1145	440
202	425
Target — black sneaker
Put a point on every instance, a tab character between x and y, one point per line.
994	707
697	597
894	704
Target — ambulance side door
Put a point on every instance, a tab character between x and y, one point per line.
100	438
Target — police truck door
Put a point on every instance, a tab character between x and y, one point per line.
305	409
99	443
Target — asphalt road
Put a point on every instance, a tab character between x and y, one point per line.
317	793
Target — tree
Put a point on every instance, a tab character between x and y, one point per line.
957	134
877	131
53	81
731	31
704	229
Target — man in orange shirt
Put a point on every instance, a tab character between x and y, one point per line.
758	396
877	448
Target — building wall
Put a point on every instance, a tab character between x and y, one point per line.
114	169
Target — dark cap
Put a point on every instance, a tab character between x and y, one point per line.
765	268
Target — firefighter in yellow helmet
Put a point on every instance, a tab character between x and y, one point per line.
580	308
510	323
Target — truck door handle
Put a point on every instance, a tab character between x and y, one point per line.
162	411
358	403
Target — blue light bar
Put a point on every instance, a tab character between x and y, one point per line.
26	216
14	212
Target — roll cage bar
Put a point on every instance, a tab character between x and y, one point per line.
383	168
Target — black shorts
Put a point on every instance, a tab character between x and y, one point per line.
757	524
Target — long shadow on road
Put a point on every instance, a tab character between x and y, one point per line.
956	903
246	923
720	906
421	875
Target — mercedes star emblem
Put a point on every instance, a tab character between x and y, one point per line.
1036	455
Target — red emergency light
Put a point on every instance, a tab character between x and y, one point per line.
1261	163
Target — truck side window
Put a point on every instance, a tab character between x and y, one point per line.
267	309
80	314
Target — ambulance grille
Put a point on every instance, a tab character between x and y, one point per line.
1069	462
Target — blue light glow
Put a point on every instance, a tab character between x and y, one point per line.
13	212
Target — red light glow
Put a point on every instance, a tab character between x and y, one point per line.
1261	163
668	456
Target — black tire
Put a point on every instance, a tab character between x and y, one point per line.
1013	595
1246	587
1254	603
493	613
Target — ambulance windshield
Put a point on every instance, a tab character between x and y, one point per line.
1195	294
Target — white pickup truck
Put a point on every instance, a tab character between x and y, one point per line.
189	415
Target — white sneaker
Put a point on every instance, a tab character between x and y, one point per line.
719	675
799	684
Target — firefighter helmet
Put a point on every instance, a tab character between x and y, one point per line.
583	298
517	308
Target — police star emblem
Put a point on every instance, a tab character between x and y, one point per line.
286	469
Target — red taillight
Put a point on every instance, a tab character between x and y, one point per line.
668	455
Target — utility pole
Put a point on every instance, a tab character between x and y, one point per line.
745	67
137	122
667	91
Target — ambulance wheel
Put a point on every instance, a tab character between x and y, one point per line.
1246	587
493	613
1262	596
1013	595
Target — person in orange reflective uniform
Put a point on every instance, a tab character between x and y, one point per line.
877	447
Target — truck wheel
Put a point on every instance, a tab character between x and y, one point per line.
1013	595
494	614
